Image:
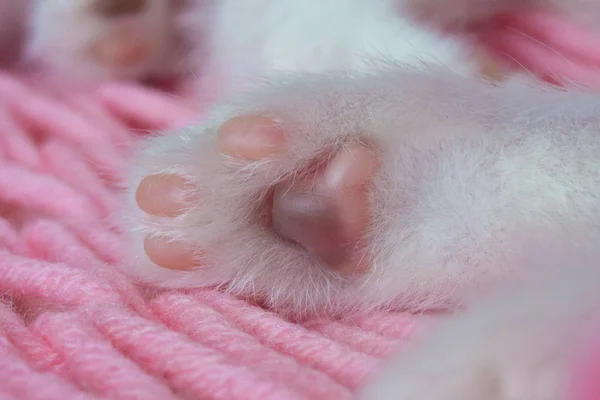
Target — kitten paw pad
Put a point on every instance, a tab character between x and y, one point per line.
323	209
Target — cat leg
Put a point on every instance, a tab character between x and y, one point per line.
520	342
448	170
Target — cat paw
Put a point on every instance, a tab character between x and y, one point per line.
261	204
102	39
323	208
324	193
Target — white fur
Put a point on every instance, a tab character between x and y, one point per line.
448	204
252	38
521	342
479	183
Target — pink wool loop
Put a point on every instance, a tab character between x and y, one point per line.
87	354
208	327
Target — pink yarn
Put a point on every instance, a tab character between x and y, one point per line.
73	328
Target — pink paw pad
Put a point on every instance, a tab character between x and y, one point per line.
324	210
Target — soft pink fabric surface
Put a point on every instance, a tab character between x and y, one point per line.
73	328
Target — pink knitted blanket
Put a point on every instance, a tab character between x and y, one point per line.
73	328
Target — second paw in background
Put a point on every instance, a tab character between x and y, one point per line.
102	39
